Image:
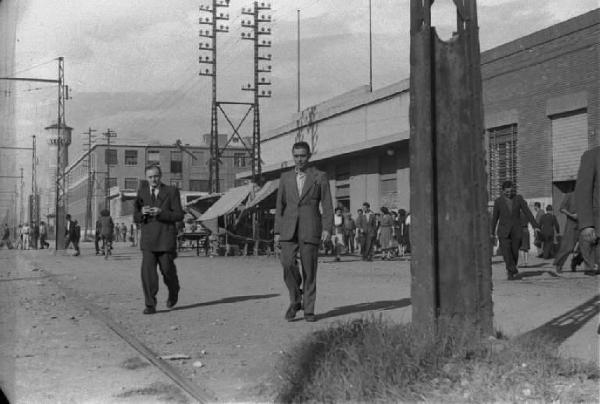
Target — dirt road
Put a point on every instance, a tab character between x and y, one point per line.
229	321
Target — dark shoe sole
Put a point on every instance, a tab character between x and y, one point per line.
149	310
310	318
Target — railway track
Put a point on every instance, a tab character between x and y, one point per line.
198	393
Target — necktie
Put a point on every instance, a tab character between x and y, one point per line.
153	194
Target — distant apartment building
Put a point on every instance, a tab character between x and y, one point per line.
116	173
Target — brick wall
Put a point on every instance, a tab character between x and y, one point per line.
520	79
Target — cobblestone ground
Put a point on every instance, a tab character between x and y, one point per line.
229	320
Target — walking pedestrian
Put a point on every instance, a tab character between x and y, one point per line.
43	235
525	242
507	217
68	227
568	240
300	226
123	233
106	230
132	234
358	237
367	225
157	210
6	237
25	231
97	236
338	233
548	225
385	233
537	242
349	230
19	245
587	206
75	236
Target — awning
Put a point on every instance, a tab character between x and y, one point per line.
202	198
263	193
227	203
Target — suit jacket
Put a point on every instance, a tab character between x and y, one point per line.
299	213
587	190
159	233
508	219
548	224
367	226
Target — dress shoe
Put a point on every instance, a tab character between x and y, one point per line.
290	313
150	310
310	318
172	301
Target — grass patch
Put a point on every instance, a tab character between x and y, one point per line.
374	360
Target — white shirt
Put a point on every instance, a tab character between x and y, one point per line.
155	189
300	178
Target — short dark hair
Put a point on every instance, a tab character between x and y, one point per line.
507	184
385	210
549	207
68	216
338	208
359	210
301	145
537	204
367	204
153	167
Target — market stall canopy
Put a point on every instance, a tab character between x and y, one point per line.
202	198
227	203
263	193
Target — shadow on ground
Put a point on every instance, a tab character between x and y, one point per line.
232	299
360	307
562	327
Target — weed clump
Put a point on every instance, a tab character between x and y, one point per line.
373	360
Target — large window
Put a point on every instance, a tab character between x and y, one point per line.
131	157
239	159
176	163
130	183
199	185
110	182
502	157
153	157
110	157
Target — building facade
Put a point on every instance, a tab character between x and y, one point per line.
541	107
116	172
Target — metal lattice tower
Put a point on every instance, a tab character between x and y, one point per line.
210	15
256	35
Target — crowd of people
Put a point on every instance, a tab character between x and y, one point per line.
384	234
27	236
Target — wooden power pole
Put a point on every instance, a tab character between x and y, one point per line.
451	258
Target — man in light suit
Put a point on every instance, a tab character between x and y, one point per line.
587	206
300	226
507	216
157	210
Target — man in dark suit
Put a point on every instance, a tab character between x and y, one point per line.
300	227
587	206
157	210
507	216
367	227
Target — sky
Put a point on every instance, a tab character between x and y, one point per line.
132	66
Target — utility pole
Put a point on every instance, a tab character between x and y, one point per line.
258	32
21	197
107	160
370	50
209	16
90	183
35	201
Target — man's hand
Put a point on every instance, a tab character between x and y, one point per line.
155	211
589	235
276	240
325	235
